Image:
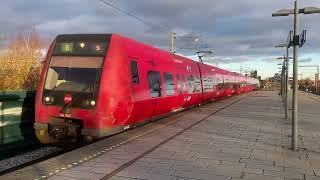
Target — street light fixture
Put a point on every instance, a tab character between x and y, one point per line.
283	12
284	57
311	10
287	12
296	43
280	45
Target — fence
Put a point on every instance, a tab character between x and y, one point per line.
16	117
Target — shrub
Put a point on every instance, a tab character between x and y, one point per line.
20	64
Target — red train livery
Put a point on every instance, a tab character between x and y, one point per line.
95	85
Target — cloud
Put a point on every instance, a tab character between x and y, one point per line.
229	59
236	31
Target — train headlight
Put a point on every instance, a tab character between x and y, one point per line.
89	102
82	45
92	103
48	99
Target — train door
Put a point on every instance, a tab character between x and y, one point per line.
182	87
169	102
180	92
163	95
184	90
155	87
144	103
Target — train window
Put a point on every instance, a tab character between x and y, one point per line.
219	81
179	87
214	83
169	84
197	83
134	72
184	84
155	86
192	88
205	84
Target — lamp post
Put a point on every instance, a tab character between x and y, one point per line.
286	80
316	75
286	59
282	89
286	12
172	41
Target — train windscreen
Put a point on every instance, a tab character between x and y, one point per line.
73	74
75	67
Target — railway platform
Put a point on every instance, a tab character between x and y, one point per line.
241	137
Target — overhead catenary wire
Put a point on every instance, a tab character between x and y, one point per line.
156	27
140	19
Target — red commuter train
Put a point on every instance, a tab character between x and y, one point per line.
95	85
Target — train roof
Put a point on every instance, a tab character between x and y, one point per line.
108	37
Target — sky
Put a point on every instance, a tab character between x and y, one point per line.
241	33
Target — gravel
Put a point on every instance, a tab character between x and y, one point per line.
27	157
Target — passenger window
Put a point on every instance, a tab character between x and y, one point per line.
155	87
179	84
220	83
197	84
184	84
169	84
134	72
207	84
191	84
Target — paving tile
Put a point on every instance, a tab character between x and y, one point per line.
122	178
159	165
257	177
287	175
300	164
203	176
143	175
298	171
100	170
82	168
265	167
257	162
63	178
316	172
162	171
233	164
307	177
81	174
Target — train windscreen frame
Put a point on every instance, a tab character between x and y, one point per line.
74	56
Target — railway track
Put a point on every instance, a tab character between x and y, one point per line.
28	158
25	156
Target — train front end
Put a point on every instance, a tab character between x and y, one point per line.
68	90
